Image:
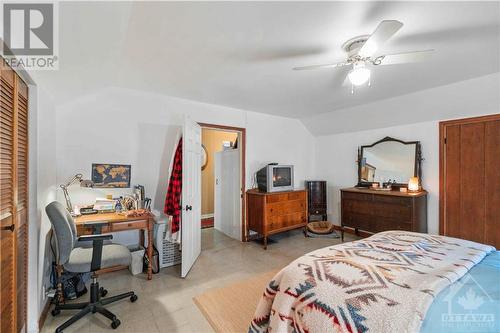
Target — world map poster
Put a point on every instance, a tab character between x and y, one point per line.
111	175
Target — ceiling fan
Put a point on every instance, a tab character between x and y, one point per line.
361	50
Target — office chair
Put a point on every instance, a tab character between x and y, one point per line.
80	259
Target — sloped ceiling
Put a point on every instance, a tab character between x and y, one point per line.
241	54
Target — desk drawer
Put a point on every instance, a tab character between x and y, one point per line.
89	230
119	226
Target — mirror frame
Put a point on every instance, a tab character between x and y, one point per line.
417	170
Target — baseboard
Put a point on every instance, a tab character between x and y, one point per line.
45	312
207	216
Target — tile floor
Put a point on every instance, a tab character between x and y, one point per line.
165	303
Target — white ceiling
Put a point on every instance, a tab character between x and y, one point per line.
240	54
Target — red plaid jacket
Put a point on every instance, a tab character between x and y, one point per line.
174	193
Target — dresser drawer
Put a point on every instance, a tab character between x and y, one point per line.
284	221
276	198
392	200
357	196
286	207
296	196
358	221
397	212
356	206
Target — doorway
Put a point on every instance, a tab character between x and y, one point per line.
222	184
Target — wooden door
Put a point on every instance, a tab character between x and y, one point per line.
191	194
470	179
13	200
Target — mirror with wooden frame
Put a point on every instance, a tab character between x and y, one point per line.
389	161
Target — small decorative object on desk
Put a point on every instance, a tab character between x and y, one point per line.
136	213
105	205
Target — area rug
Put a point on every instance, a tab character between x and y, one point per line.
207	223
231	308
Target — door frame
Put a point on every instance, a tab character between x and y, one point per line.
442	157
242	131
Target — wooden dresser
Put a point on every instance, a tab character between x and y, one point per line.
375	211
272	213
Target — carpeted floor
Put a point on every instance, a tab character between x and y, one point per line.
207	223
231	308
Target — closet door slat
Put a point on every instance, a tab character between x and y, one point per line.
8	240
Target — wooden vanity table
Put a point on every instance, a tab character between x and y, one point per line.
391	163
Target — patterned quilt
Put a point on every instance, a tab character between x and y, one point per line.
384	283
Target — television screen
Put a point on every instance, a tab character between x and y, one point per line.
282	176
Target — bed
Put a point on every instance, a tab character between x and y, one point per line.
394	281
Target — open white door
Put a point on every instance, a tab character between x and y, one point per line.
191	194
227	213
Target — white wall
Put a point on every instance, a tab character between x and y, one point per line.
139	128
42	147
461	99
46	193
337	153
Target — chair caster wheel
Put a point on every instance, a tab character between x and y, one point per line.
133	298
115	323
103	291
55	312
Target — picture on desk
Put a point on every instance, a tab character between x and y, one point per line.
111	175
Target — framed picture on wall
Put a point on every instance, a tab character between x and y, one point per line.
111	175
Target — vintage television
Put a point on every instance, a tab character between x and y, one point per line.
274	178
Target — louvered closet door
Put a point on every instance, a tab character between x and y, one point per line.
7	270
13	200
21	140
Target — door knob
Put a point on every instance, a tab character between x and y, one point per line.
11	227
189	207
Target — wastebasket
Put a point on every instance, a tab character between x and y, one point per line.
137	253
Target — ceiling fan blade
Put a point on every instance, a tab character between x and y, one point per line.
385	30
400	58
340	64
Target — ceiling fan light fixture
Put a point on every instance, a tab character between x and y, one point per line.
359	75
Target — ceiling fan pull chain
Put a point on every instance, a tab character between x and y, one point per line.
370	81
352	89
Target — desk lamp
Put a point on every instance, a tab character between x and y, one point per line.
83	183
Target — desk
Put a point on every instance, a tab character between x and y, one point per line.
113	222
